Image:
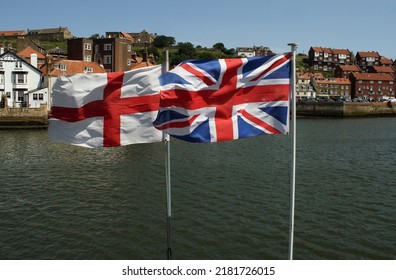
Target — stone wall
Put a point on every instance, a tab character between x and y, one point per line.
346	109
24	117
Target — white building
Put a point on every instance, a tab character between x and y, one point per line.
245	52
21	82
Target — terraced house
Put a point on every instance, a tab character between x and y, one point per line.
326	59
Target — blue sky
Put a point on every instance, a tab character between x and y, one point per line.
357	25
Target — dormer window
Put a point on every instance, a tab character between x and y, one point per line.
88	69
62	66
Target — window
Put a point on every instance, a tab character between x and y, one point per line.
1	64
128	62
18	64
62	66
129	48
20	95
87	46
88	69
87	58
1	78
41	96
20	78
107	47
35	96
107	59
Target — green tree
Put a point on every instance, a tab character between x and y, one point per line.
94	36
163	41
219	46
185	50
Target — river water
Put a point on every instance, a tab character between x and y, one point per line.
229	200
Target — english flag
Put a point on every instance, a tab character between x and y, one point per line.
106	110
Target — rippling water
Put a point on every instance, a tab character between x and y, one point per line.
229	200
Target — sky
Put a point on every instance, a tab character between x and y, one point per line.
357	25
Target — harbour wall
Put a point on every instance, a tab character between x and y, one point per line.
24	118
346	109
28	118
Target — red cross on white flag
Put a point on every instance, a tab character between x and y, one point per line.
113	109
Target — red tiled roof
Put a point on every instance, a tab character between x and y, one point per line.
336	81
383	69
341	51
368	54
330	50
385	60
317	49
26	53
126	35
142	62
353	68
12	32
373	76
74	67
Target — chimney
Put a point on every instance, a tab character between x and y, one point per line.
33	59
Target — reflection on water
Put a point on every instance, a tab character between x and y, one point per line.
229	200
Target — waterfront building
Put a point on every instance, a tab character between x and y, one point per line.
331	88
21	83
367	59
53	69
304	88
326	59
381	69
372	86
80	49
384	61
27	53
343	71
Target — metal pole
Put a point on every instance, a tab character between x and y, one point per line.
166	140
293	133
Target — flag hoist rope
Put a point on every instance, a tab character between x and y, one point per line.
166	141
293	133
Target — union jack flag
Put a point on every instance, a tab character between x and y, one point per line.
226	99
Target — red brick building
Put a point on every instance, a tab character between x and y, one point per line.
80	49
372	86
381	69
343	71
334	88
384	61
113	53
367	59
326	59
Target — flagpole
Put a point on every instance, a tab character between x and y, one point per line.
166	141
293	133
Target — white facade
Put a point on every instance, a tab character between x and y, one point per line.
21	82
245	52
